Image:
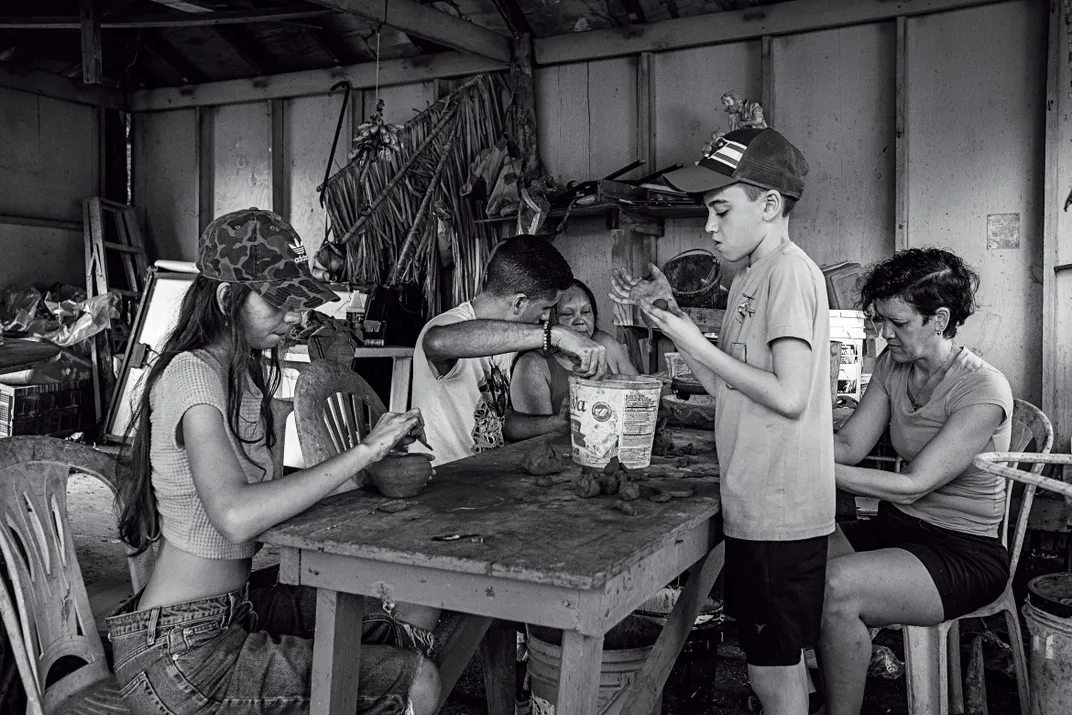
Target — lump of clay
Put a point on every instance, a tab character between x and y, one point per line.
625	508
542	459
586	486
629	491
609	483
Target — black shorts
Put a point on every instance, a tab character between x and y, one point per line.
774	589
970	571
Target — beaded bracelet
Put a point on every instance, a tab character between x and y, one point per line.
547	337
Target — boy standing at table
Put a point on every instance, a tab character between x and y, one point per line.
770	378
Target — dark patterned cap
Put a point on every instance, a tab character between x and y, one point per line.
260	249
761	157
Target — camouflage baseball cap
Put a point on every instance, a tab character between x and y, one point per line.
259	248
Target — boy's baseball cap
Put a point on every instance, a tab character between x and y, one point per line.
260	249
761	157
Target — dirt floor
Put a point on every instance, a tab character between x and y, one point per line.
717	686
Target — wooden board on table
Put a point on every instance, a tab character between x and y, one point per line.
529	533
19	354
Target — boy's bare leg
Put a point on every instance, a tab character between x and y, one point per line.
783	689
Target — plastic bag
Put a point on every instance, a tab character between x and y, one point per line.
93	316
20	308
885	664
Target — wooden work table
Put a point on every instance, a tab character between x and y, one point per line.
539	555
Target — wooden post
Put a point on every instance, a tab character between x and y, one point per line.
278	157
206	185
633	248
767	79
646	112
900	210
1057	236
91	43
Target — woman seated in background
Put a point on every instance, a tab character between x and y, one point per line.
539	384
934	551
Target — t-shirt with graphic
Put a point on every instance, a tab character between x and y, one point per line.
463	410
974	501
777	473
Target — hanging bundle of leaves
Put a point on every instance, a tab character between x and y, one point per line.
387	208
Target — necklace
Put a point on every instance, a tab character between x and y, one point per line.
927	388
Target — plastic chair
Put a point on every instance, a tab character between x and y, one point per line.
334	409
47	616
932	653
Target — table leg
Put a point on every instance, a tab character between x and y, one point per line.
401	369
648	686
499	651
578	680
336	652
457	651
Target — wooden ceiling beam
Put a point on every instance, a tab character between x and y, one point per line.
92	72
167	53
731	26
421	21
248	48
48	84
513	16
313	82
203	19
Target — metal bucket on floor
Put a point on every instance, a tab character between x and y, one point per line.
619	668
1048	615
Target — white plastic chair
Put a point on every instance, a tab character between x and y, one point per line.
932	653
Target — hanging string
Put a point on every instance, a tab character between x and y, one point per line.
378	29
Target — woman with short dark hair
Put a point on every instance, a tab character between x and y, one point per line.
933	553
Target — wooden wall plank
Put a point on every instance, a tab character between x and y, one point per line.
977	151
167	200
587	127
243	167
39	256
690	84
310	126
51	148
1057	237
835	102
562	121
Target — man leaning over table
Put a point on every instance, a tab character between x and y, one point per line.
464	356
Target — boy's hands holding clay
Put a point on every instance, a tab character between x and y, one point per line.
627	290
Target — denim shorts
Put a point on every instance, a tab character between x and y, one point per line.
247	651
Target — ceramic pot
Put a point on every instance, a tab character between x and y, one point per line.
401	476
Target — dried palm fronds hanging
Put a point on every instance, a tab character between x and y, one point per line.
387	207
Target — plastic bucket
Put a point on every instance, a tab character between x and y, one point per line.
1051	646
614	417
847	328
618	669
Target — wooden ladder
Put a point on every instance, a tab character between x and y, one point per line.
115	261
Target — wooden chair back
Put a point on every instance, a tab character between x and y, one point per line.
47	616
334	409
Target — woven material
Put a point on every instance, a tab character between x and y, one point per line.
761	157
259	248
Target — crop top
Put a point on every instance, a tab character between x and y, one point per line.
199	378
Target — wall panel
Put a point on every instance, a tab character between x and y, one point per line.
242	162
834	98
165	182
975	160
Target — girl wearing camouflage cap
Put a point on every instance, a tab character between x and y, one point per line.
203	637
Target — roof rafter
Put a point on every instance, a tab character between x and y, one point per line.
421	21
167	53
186	19
248	48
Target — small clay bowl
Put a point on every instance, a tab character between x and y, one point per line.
401	476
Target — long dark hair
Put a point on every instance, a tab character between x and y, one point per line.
200	324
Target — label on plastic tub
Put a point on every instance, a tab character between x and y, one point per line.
614	417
